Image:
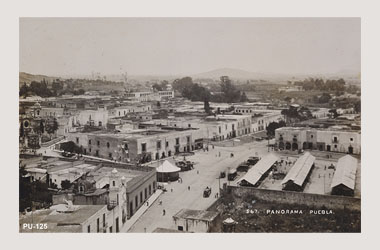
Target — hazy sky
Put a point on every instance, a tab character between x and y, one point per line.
67	46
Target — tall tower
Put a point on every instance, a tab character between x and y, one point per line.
114	187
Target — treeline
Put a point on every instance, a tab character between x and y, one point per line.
320	84
195	92
43	90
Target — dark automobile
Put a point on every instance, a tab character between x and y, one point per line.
252	160
232	174
222	174
206	192
67	154
243	167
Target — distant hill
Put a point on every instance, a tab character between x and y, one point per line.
236	74
28	78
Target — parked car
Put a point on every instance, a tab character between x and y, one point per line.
67	154
232	173
222	174
252	160
206	192
243	167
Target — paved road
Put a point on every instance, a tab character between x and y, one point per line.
209	165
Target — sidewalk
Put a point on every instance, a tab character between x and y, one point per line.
129	223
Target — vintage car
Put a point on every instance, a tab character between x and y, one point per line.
206	192
222	174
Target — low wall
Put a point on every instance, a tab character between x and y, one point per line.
54	141
290	197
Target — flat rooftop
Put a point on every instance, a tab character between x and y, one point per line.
60	221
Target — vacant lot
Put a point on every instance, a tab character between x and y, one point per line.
257	216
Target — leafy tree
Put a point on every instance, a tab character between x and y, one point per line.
324	98
157	87
42	128
273	126
243	97
24	90
22	131
71	147
206	106
52	126
333	113
65	184
229	91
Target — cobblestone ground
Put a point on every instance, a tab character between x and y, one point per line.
205	173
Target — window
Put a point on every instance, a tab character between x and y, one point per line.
166	144
189	125
335	146
98	225
141	197
311	136
89	150
136	201
98	143
158	145
110	155
89	142
150	189
146	193
220	130
110	229
88	229
188	139
335	139
77	140
177	141
108	144
351	139
113	183
126	146
143	147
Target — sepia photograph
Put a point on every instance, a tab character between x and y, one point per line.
189	125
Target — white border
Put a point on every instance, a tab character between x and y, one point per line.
12	10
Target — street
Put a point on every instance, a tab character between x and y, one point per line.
209	165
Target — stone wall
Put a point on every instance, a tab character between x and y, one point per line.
290	197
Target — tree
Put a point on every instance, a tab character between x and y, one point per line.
24	90
22	131
157	87
71	147
52	126
65	184
243	97
206	106
273	126
42	128
324	98
333	113
357	106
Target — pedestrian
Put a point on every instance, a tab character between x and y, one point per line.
147	203
188	188
325	167
213	147
197	171
163	212
171	190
